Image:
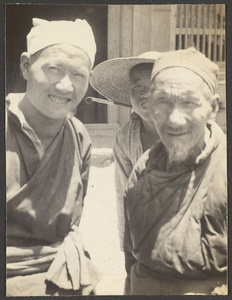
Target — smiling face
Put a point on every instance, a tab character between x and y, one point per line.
180	107
140	89
57	79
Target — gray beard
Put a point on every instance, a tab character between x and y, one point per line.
178	153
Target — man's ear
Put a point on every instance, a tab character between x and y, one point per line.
90	75
25	63
214	102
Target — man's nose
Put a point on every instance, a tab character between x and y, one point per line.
176	117
65	85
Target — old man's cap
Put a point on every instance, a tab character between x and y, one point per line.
46	33
190	59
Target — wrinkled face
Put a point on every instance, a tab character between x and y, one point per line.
180	109
140	89
57	80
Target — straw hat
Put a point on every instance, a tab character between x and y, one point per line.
111	78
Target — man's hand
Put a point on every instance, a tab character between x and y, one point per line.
220	290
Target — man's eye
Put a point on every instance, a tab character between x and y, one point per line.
162	101
52	68
78	75
137	87
187	103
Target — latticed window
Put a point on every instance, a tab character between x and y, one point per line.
203	27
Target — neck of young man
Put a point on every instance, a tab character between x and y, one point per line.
148	134
45	128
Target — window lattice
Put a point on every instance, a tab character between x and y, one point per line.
203	27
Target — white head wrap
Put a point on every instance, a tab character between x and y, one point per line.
46	33
191	59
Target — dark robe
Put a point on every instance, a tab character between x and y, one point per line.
45	198
176	220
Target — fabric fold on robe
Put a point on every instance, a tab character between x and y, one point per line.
65	263
29	260
71	269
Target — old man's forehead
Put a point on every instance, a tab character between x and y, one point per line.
182	92
169	82
189	79
176	73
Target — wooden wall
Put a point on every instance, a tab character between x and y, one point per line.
134	29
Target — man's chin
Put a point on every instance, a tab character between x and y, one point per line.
177	157
177	152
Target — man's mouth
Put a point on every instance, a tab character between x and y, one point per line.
144	104
172	133
59	100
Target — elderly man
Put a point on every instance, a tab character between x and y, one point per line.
47	162
176	202
126	81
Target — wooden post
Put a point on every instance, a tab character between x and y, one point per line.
134	29
113	51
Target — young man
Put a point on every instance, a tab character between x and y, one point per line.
47	162
126	81
176	202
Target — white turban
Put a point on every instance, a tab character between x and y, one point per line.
189	59
45	33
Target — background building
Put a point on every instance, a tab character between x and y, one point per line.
120	31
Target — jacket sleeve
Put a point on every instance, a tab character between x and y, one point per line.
86	159
214	226
136	174
85	146
86	165
127	246
123	168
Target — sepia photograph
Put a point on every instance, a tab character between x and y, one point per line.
116	150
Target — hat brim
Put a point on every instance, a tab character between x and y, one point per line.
111	78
